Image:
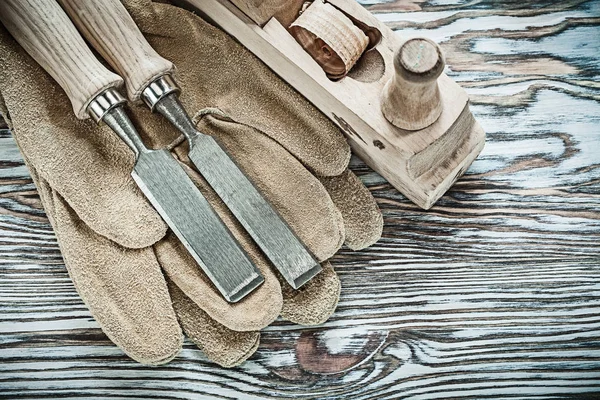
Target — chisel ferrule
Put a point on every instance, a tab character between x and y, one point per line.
103	103
159	88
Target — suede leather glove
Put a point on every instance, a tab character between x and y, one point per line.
137	279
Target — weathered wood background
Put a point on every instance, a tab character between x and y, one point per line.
494	293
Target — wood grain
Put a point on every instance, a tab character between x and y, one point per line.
493	293
411	98
355	106
112	32
330	37
47	34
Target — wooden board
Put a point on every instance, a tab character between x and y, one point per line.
493	293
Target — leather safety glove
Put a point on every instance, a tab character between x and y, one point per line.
138	281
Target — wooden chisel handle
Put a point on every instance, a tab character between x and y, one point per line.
110	29
44	30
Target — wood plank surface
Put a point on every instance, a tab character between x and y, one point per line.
493	293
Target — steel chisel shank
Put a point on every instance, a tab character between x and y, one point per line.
259	218
44	30
114	34
186	211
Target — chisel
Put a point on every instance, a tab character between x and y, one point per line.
47	34
113	33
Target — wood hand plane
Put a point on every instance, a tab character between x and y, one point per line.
400	112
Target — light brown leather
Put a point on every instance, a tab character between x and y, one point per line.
134	276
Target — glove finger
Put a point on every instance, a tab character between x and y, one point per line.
124	289
363	221
314	302
221	345
87	164
296	194
254	312
240	84
301	200
45	192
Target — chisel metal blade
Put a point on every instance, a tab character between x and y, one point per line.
183	207
257	216
140	65
47	34
268	229
193	220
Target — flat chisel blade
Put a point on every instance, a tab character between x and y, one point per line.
190	216
272	234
